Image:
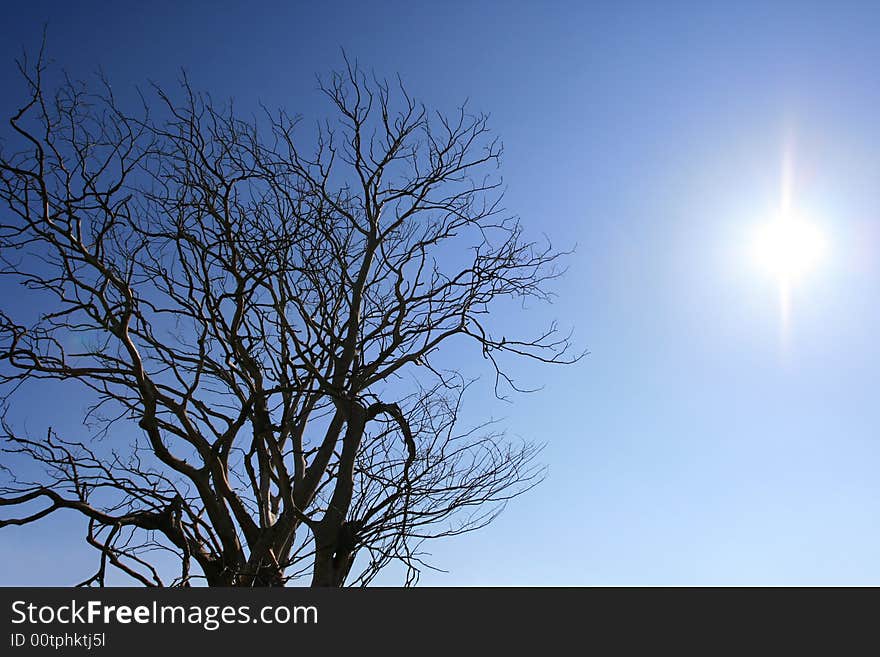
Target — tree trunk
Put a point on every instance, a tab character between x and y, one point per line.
336	539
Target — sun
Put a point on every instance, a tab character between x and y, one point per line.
789	247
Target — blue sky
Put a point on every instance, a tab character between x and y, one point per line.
696	444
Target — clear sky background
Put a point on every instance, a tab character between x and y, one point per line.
697	443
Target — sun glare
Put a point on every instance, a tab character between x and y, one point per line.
789	247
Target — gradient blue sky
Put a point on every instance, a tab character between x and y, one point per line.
695	444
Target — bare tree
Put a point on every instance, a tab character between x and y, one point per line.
260	323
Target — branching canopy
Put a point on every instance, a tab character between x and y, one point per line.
261	325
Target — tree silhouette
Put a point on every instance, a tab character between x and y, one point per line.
260	318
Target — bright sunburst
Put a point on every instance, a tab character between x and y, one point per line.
789	247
